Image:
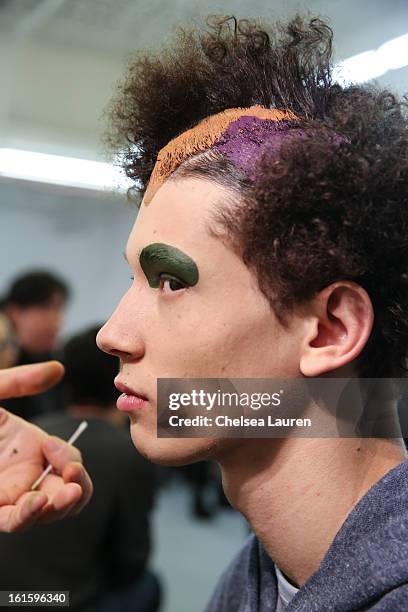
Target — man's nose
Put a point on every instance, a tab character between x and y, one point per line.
120	337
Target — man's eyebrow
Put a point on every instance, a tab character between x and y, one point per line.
154	257
127	258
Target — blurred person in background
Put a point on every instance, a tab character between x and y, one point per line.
101	556
204	481
35	305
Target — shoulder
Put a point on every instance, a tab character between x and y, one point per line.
394	601
379	522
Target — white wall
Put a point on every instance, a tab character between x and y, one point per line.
60	60
80	236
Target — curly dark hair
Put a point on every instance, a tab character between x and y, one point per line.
319	212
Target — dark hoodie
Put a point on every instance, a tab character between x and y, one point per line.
365	568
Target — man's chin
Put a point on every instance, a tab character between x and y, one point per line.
173	452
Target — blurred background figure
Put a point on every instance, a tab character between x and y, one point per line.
35	305
8	344
102	555
207	496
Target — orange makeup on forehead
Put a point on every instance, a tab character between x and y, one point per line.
201	138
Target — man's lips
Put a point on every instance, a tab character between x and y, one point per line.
130	399
125	389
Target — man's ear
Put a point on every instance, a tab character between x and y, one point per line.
337	328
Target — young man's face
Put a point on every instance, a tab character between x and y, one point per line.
220	326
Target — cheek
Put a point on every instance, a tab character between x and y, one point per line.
228	332
227	342
249	343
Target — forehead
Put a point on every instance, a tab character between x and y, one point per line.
180	214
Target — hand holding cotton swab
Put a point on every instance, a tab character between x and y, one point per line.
81	427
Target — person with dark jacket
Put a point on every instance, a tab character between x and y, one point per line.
102	555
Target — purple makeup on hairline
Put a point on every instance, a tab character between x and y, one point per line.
245	139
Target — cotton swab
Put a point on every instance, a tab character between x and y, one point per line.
81	427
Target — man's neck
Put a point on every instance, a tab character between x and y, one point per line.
297	492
